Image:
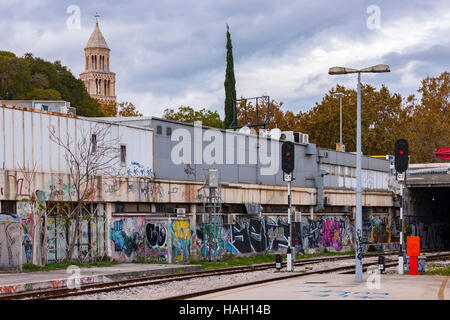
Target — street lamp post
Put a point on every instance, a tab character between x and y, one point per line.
358	238
340	95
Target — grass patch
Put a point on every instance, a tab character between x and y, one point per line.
149	261
438	271
29	267
235	261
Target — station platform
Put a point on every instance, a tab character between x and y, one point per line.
11	283
343	287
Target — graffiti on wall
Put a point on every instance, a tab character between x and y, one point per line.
335	232
9	241
156	241
16	231
247	235
253	235
59	190
189	170
376	229
138	170
380	230
127	239
277	233
210	240
432	235
137	238
181	240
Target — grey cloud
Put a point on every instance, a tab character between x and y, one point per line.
167	49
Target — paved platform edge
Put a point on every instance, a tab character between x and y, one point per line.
8	289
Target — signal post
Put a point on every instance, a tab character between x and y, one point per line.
401	165
287	165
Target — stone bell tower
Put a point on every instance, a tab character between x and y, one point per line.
100	82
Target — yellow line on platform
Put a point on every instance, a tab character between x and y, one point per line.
442	288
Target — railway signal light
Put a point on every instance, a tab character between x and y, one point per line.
401	155
287	156
278	262
381	264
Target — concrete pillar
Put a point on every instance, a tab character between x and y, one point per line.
193	218
108	217
169	240
311	210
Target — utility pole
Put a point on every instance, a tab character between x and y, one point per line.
340	95
358	221
213	202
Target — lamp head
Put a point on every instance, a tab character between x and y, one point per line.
341	70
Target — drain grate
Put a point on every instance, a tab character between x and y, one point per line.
315	282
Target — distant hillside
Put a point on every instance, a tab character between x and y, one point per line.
31	78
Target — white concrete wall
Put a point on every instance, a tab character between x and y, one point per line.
24	140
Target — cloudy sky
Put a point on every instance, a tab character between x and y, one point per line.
169	53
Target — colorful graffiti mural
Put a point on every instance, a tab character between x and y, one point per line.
210	240
10	228
173	241
138	238
253	235
181	240
326	232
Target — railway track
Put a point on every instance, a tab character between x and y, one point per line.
342	269
125	284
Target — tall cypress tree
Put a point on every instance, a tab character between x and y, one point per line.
230	86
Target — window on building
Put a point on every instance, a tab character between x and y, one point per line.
123	155
169	131
94	142
158	129
8	207
119	207
159	207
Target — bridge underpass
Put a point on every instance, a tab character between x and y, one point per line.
427	204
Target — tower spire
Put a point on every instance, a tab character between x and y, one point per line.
100	82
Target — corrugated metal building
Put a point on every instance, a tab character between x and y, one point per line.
153	207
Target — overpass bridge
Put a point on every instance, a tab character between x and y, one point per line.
427	203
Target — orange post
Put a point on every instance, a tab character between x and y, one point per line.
413	251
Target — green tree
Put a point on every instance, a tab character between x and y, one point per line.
283	120
428	125
119	109
230	86
15	77
381	120
43	94
188	114
30	77
127	109
109	109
